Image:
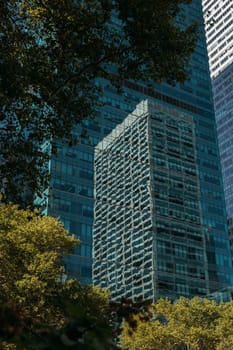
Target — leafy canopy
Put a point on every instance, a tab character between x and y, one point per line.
52	51
196	324
38	309
32	248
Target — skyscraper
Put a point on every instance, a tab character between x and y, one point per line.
148	238
71	193
218	17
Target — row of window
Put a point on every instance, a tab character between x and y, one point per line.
71	170
65	205
65	186
182	269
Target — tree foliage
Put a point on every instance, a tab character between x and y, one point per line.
52	51
196	324
31	247
38	309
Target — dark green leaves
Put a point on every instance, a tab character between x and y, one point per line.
52	51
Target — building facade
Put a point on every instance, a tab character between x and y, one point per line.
219	32
71	193
148	237
218	18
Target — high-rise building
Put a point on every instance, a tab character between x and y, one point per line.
218	17
148	237
71	193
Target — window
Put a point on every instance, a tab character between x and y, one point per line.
182	289
85	190
181	269
88	157
62	204
180	251
86	174
86	231
87	210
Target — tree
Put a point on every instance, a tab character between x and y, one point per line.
52	53
194	321
32	247
150	332
224	327
38	309
196	324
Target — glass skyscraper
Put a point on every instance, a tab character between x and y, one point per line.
71	192
218	17
148	238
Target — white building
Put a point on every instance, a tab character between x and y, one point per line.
148	239
218	16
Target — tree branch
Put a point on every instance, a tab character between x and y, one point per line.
77	75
